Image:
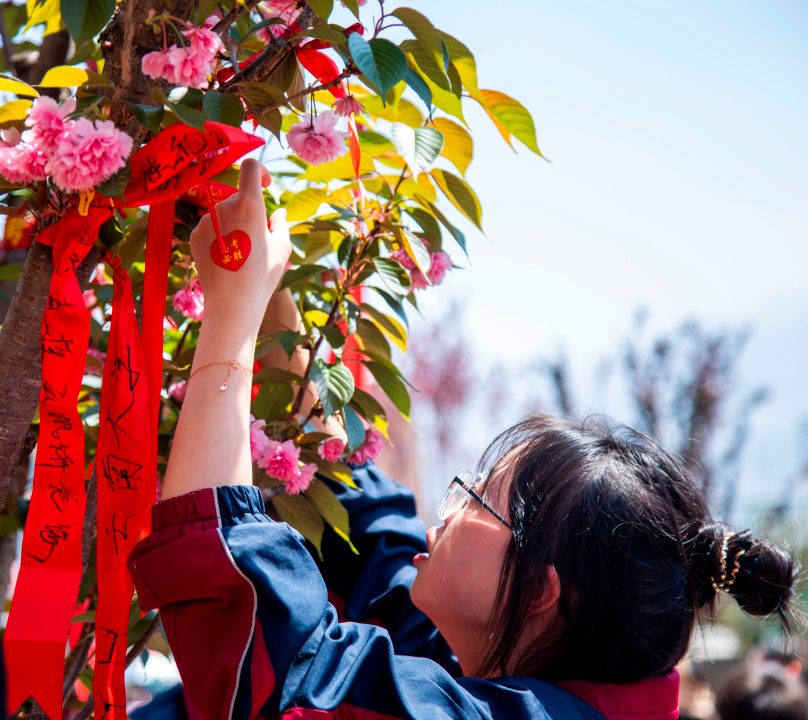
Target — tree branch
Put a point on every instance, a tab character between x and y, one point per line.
7	49
235	14
348	72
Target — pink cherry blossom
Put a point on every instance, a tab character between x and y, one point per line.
47	122
88	154
23	163
441	264
281	460
258	439
347	105
203	41
154	64
370	449
98	355
186	67
99	276
177	391
402	256
318	141
190	301
331	449
89	298
9	137
418	281
359	3
213	18
300	482
286	10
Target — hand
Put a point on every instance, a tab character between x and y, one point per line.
241	297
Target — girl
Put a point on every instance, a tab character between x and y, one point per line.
564	581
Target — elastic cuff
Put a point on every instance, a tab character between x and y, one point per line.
227	504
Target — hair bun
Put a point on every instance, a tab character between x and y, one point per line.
757	573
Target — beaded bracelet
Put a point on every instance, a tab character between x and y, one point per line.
234	365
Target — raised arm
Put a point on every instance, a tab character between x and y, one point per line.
211	446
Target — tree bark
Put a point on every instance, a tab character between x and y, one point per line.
21	356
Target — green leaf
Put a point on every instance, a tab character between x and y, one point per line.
414	247
149	116
226	108
511	117
413	79
430	64
389	326
392	385
430	40
395	304
192	97
67	76
336	471
370	409
322	8
335	385
459	147
333	336
272	401
86	18
300	274
463	61
115	184
427	221
353	428
304	204
456	234
460	195
330	33
406	112
372	338
10	273
418	146
427	69
393	275
331	509
353	6
382	62
188	115
11	84
134	241
290	339
373	144
301	515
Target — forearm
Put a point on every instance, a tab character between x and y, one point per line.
212	443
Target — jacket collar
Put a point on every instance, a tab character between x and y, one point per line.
656	699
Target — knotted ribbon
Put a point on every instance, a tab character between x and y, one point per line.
173	163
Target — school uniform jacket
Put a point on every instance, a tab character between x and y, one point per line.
251	620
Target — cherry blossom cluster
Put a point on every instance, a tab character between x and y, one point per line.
190	301
286	10
281	460
76	154
190	65
316	140
440	264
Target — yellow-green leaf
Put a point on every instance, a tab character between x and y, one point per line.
511	117
370	408
338	471
301	515
67	76
419	61
11	84
341	169
429	38
14	110
40	12
305	203
414	247
331	509
389	326
405	112
460	195
461	57
459	147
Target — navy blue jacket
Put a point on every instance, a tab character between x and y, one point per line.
246	611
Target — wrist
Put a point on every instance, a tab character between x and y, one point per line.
220	339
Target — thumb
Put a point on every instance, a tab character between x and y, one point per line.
277	221
250	179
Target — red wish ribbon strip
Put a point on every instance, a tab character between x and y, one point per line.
177	160
50	566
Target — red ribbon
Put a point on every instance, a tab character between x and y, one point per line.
50	565
178	159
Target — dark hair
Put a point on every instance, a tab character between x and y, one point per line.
634	545
761	695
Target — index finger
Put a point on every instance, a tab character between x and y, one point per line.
252	177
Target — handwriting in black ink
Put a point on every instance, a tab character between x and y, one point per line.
53	345
51	394
51	535
59	458
117	650
62	422
62	494
117	531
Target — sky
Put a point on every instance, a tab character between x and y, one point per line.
678	148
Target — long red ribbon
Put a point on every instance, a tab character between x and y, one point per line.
50	566
177	160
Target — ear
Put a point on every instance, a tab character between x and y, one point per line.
550	595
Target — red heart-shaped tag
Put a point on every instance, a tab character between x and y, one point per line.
236	250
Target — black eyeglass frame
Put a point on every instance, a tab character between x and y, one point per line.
479	499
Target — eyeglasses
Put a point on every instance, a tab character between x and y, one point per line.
457	496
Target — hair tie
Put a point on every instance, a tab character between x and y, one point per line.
726	580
